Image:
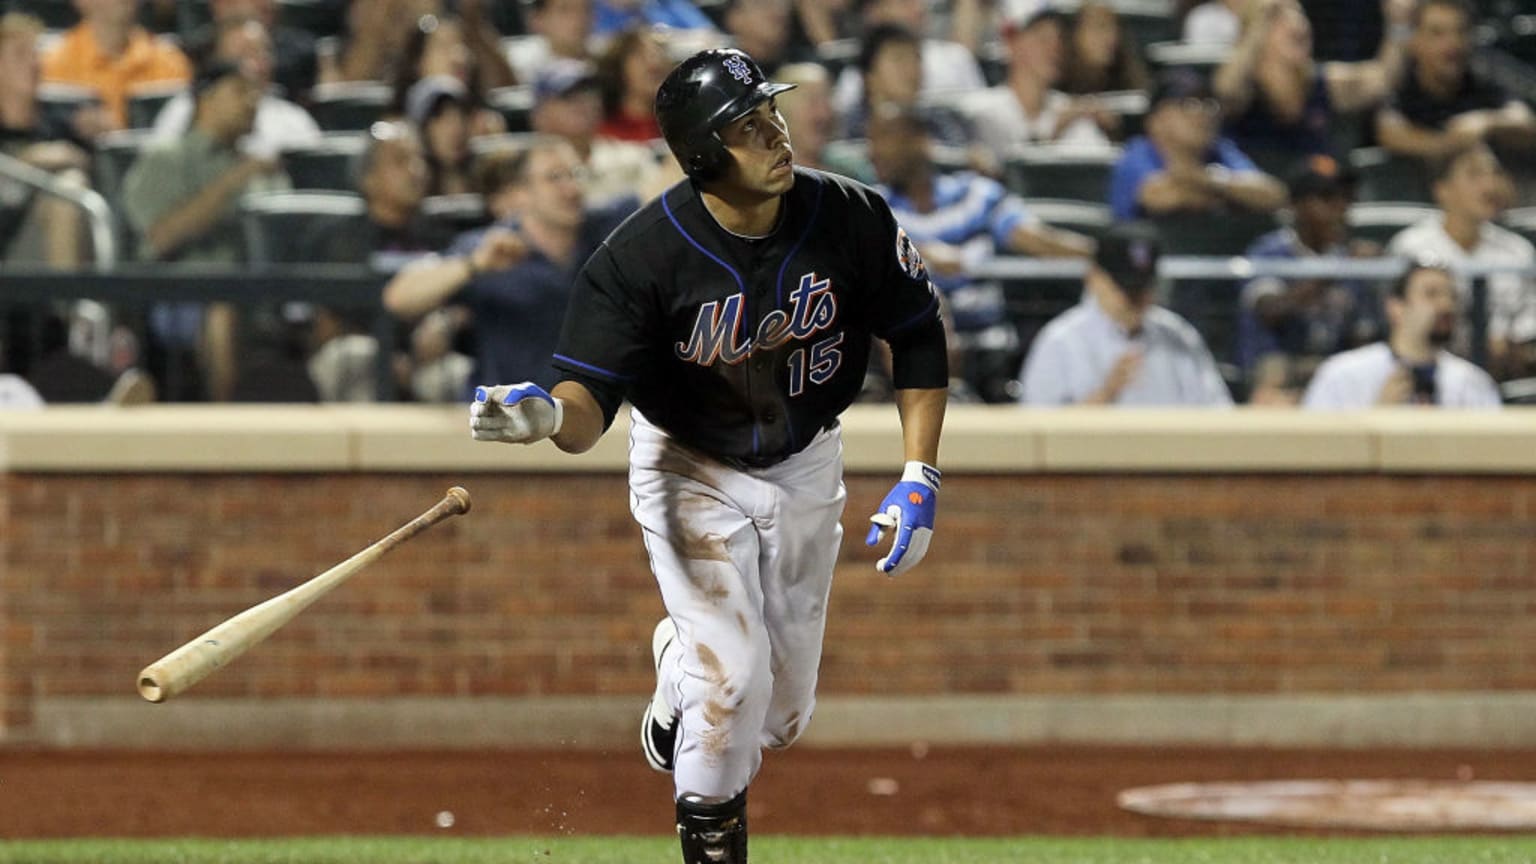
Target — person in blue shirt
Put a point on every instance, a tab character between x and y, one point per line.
514	278
1181	166
612	16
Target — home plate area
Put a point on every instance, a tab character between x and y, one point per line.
1380	805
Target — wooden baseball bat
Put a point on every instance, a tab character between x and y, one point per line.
195	660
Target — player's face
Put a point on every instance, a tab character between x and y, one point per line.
762	159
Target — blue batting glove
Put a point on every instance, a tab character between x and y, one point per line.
908	508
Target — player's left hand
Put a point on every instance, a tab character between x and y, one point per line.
908	508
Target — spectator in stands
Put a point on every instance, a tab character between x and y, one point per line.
1441	104
393	178
1214	22
629	73
762	29
280	124
1117	347
448	47
515	277
438	108
1278	100
110	53
51	229
959	221
610	17
1099	55
814	123
818	23
293	50
567	105
181	198
890	67
1302	322
1181	166
1412	367
1469	185
1027	109
557	29
948	67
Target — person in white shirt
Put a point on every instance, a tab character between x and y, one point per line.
1116	347
948	67
1412	367
1471	188
1215	22
1027	109
280	124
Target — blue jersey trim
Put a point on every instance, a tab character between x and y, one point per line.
667	208
916	318
778	285
604	373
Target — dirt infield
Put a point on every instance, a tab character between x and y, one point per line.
977	792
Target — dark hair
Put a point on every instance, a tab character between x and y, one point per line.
1127	71
880	36
1467	13
408	69
1399	286
1440	167
610	66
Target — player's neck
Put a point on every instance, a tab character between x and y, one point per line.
744	216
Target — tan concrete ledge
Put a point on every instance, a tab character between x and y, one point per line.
977	439
1473	719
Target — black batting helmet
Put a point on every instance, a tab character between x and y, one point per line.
703	95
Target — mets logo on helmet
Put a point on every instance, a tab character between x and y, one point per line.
738	69
908	257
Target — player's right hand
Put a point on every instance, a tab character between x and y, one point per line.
514	413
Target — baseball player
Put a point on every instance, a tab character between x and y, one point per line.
735	313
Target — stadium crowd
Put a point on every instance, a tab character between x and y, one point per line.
474	152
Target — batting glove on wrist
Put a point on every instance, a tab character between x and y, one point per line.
909	509
514	413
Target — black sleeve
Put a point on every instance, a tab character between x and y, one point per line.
602	343
904	306
920	357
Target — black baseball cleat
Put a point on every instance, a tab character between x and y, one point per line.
659	723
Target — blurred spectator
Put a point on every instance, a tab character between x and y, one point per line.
960	221
1470	186
1302	322
1181	165
762	29
891	69
1117	347
1026	108
947	67
1413	366
280	124
293	50
515	276
1100	56
447	47
181	196
373	41
615	16
52	229
813	123
17	395
1278	100
438	107
393	178
1441	104
1215	22
556	29
110	53
567	105
629	73
821	22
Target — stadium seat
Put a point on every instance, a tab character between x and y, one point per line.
318	17
515	104
1386	177
837	55
115	154
328	163
144	103
1226	233
1201	57
1061	171
1379	222
349	105
505	142
60	101
460	212
291	227
1147	22
55	14
1084	217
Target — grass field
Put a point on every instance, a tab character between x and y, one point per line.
780	850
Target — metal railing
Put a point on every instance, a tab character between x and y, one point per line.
98	213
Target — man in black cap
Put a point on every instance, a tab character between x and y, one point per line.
1299	323
1117	347
1181	166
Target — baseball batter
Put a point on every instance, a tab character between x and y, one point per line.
735	313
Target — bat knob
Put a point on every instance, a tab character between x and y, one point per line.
460	495
149	688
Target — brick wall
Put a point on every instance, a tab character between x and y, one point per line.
1035	584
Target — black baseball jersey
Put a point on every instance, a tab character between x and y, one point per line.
745	348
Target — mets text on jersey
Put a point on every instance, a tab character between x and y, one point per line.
717	331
